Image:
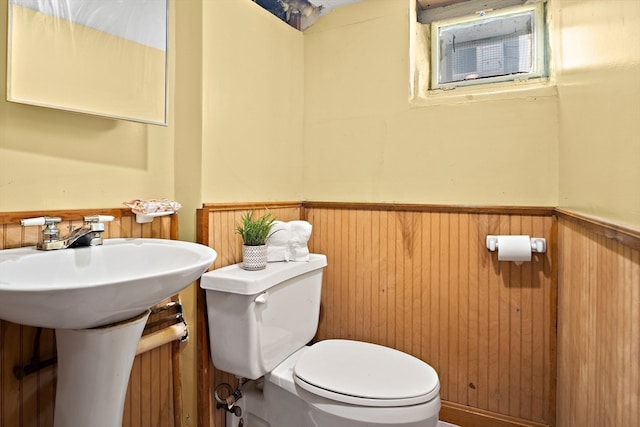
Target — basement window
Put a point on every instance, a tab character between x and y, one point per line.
488	47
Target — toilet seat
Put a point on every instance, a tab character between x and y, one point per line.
365	374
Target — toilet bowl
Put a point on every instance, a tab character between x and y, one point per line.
259	327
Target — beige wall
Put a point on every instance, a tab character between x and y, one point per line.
253	105
52	159
598	51
236	109
230	93
365	141
579	149
186	116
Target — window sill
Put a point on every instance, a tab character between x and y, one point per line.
489	92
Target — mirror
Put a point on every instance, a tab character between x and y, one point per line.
103	57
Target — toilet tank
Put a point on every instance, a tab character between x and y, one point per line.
259	318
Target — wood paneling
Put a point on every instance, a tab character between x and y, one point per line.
420	279
599	324
30	401
424	283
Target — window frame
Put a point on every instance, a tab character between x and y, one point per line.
539	60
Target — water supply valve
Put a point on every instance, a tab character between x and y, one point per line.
227	398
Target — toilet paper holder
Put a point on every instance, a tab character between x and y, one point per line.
538	244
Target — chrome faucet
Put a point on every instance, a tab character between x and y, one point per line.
90	234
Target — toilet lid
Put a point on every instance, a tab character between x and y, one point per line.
365	374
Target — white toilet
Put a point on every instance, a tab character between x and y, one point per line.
259	325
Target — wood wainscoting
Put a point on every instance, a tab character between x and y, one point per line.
153	397
419	278
598	323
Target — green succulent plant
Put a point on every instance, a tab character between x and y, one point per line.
255	232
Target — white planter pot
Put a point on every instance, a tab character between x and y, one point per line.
254	257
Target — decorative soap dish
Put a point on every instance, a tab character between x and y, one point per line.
147	218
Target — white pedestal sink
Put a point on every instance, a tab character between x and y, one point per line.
98	299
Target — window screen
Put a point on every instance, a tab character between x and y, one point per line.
498	46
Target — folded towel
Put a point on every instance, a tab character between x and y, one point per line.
288	241
152	206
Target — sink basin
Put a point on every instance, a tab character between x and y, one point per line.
96	286
97	299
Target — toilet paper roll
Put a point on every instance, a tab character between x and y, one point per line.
514	248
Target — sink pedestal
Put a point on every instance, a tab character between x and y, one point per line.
93	373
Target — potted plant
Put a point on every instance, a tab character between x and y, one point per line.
254	233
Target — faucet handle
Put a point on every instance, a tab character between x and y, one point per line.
96	223
41	220
50	233
98	218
